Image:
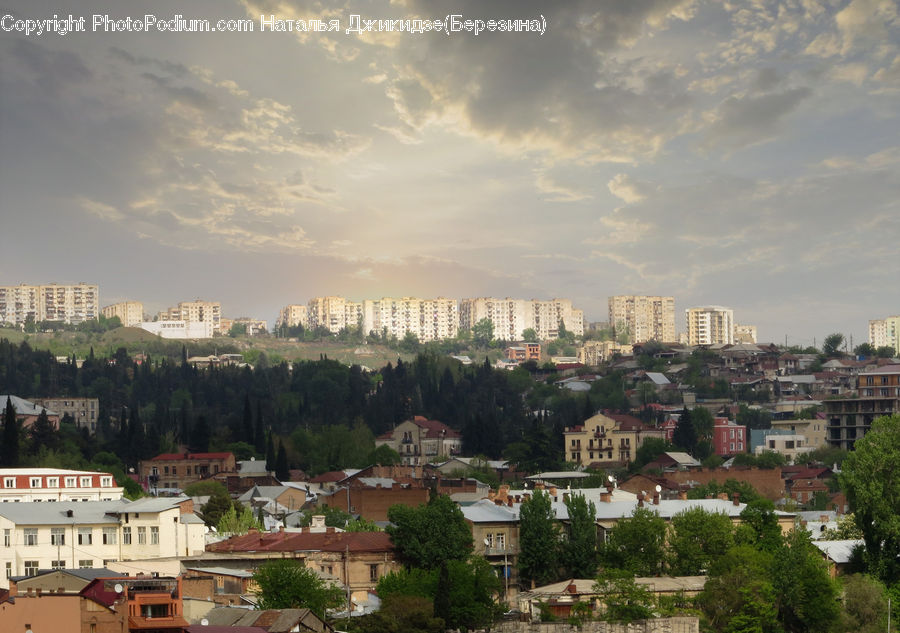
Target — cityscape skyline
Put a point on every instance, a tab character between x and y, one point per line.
744	156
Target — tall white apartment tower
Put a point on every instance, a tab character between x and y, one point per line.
710	325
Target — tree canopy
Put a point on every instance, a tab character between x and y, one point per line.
287	584
430	534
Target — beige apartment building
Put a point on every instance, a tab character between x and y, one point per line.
71	303
428	319
710	325
293	315
610	438
744	333
511	317
333	313
199	311
885	333
83	410
130	313
646	318
596	352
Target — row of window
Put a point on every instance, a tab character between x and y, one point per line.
85	536
32	566
53	482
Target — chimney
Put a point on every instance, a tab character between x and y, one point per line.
605	497
736	499
509	501
317	521
498	501
553	491
281	529
656	498
640	499
518	498
539	485
571	588
609	487
682	495
329	530
823	518
723	496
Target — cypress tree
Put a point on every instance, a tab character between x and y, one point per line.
9	453
270	454
282	473
247	428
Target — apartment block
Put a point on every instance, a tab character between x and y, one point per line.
744	333
710	325
851	418
333	313
594	353
25	485
83	411
293	315
130	313
646	318
51	302
511	317
421	440
251	326
885	333
177	470
428	319
199	311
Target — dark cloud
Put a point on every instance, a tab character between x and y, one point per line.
747	120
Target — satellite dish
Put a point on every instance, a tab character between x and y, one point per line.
204	622
118	588
609	478
658	488
486	542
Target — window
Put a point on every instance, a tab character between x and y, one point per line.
57	536
174	470
35	482
142	535
109	536
106	482
501	540
31	536
85	536
8	570
7	533
165	470
373	573
85	482
86	563
9	482
70	482
154	535
489	540
53	482
58	564
31	567
126	535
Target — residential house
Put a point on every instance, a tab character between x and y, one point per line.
223	619
421	440
605	439
524	352
175	471
27	412
729	438
56	484
813	430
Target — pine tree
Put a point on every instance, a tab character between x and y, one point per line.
282	473
9	452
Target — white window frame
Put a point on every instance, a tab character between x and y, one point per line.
86	482
53	482
57	536
108	536
9	482
154	535
35	482
85	532
30	537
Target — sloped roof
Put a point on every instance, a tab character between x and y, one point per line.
24	407
305	541
839	551
180	456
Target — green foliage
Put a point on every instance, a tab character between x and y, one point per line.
538	536
846	529
287	584
650	449
697	539
427	535
739	596
828	455
831	346
578	552
685	435
401	614
623	599
871	481
483	332
753	418
408	582
865	605
637	544
334	517
361	525
237	329
234	522
807	597
9	451
206	488
529	335
760	516
384	455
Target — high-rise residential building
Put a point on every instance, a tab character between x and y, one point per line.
885	333
645	318
333	313
710	325
744	333
511	317
69	303
130	313
292	315
199	311
428	319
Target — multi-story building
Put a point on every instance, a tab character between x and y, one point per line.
177	470
885	333
68	535
596	352
83	411
607	438
710	325
27	412
207	312
851	418
333	313
68	303
421	440
428	319
252	327
744	333
644	318
130	313
729	438
511	317
56	484
524	352
179	329
293	315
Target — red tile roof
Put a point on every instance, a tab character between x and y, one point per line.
306	541
628	423
433	428
329	477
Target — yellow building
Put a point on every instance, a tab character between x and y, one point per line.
645	318
609	438
130	313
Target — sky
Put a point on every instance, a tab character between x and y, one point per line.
736	153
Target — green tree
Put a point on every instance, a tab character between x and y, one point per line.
865	605
286	584
529	335
871	480
400	613
760	517
237	329
807	597
538	536
483	332
234	522
685	435
738	596
623	599
429	534
650	449
282	472
384	455
215	508
578	552
698	538
832	345
638	543
9	452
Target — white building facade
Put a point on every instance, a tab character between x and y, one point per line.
25	485
511	317
710	325
428	319
179	329
646	318
68	303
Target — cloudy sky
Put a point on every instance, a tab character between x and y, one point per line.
740	153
